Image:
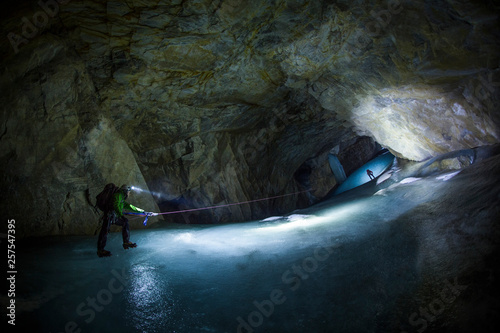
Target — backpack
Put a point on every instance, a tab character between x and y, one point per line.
104	200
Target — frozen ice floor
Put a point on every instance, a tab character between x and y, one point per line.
419	255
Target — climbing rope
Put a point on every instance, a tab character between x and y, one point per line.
231	204
214	207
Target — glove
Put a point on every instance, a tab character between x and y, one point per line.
151	214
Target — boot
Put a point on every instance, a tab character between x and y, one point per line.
128	245
103	253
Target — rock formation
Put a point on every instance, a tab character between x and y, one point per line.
213	102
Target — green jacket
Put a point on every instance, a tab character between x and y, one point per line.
119	204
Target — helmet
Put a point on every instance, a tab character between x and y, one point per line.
125	188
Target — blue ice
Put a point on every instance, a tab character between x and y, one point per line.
359	177
343	265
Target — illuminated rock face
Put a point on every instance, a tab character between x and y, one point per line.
419	123
217	102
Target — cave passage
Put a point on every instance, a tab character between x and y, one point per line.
202	103
368	259
377	165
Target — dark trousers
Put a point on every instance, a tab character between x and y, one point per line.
108	219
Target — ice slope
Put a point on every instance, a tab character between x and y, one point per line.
367	260
359	177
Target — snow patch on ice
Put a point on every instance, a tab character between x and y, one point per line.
448	176
297	217
384	177
272	218
409	180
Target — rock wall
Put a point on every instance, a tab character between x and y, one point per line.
213	102
58	150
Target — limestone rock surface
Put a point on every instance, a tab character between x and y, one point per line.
214	102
